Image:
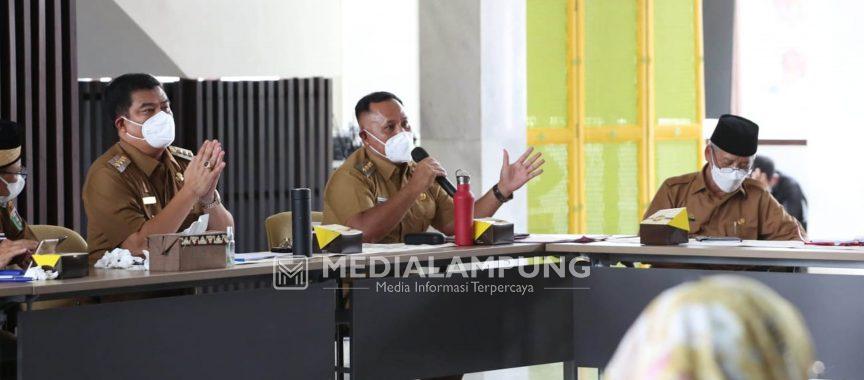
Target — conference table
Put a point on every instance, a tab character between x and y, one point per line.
822	282
420	316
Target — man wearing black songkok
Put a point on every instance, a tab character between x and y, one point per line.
721	199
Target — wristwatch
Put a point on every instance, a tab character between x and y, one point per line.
501	198
217	200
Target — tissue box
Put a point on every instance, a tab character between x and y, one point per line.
665	227
335	238
67	265
489	231
178	252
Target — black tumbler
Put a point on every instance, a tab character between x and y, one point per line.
301	210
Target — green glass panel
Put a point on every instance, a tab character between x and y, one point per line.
675	94
547	194
547	63
674	158
611	188
611	62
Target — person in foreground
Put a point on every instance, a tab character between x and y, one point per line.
18	240
719	327
380	191
142	185
721	199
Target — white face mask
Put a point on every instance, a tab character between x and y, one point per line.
13	188
398	148
727	179
158	130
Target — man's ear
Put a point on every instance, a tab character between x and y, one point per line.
363	135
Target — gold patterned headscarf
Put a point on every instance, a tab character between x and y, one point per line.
717	328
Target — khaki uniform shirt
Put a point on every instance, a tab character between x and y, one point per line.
749	213
366	180
125	188
14	227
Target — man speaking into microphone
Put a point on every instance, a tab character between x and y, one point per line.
382	192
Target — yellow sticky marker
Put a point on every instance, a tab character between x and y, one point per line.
673	217
480	226
681	220
325	235
46	260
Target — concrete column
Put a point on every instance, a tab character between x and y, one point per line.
472	89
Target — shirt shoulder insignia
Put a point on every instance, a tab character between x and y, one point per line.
181	153
120	162
367	169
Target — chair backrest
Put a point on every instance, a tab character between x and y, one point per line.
278	227
74	243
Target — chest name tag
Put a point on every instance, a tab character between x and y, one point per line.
382	199
149	200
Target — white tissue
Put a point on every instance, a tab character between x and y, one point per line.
122	259
39	274
199	226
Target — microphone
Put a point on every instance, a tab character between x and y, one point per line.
418	154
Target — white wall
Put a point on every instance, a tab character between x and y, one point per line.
472	76
800	78
380	52
364	45
450	85
110	43
215	38
504	97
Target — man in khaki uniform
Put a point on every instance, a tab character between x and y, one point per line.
19	241
18	244
143	186
379	191
722	200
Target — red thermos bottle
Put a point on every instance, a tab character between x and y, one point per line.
463	208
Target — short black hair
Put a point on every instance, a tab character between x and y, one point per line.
765	165
118	93
375	97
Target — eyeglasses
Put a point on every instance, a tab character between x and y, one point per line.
748	168
23	173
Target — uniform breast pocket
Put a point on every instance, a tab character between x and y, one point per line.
425	207
748	231
151	206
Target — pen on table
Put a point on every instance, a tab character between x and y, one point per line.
242	260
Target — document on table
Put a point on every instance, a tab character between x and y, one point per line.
773	243
400	247
580	238
549	238
748	243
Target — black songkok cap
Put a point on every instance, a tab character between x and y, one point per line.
736	135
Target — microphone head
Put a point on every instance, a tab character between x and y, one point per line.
418	154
